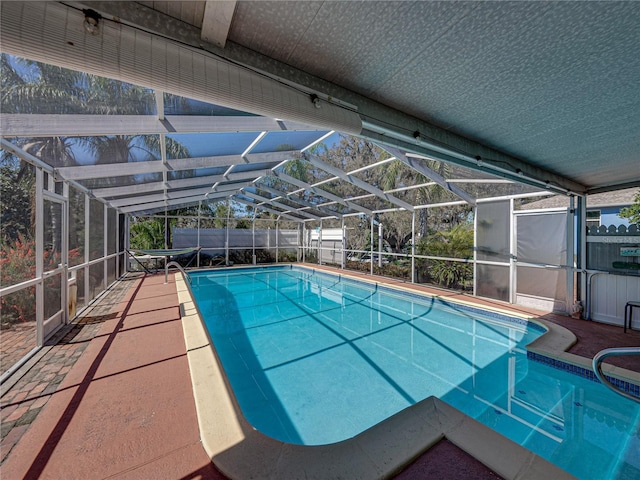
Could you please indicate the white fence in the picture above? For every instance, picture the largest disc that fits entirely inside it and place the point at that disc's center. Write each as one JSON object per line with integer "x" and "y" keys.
{"x": 614, "y": 279}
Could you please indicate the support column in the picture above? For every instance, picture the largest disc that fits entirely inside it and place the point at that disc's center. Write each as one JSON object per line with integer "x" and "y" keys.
{"x": 413, "y": 247}
{"x": 253, "y": 240}
{"x": 581, "y": 241}
{"x": 380, "y": 244}
{"x": 513, "y": 278}
{"x": 226, "y": 236}
{"x": 371, "y": 248}
{"x": 320, "y": 244}
{"x": 105, "y": 246}
{"x": 65, "y": 253}
{"x": 475, "y": 249}
{"x": 39, "y": 218}
{"x": 199, "y": 215}
{"x": 569, "y": 261}
{"x": 304, "y": 242}
{"x": 87, "y": 248}
{"x": 344, "y": 246}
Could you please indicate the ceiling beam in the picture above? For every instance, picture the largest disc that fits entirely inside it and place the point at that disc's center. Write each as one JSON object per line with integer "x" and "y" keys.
{"x": 159, "y": 96}
{"x": 173, "y": 195}
{"x": 156, "y": 197}
{"x": 84, "y": 172}
{"x": 353, "y": 180}
{"x": 217, "y": 21}
{"x": 228, "y": 160}
{"x": 228, "y": 187}
{"x": 286, "y": 208}
{"x": 208, "y": 180}
{"x": 421, "y": 168}
{"x": 296, "y": 199}
{"x": 382, "y": 124}
{"x": 169, "y": 203}
{"x": 69, "y": 125}
{"x": 267, "y": 209}
{"x": 323, "y": 193}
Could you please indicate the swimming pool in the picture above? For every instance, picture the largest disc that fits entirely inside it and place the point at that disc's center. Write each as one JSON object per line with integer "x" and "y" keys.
{"x": 315, "y": 358}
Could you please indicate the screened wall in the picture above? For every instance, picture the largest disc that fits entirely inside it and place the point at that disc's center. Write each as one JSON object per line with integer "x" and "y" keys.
{"x": 544, "y": 271}
{"x": 60, "y": 250}
{"x": 95, "y": 178}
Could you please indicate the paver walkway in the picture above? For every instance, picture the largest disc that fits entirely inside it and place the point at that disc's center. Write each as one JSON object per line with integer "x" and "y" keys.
{"x": 125, "y": 409}
{"x": 17, "y": 340}
{"x": 25, "y": 393}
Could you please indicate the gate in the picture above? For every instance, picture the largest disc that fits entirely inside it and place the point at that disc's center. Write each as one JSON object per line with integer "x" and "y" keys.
{"x": 543, "y": 260}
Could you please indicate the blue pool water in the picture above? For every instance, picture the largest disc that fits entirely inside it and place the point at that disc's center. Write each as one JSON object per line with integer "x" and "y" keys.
{"x": 315, "y": 358}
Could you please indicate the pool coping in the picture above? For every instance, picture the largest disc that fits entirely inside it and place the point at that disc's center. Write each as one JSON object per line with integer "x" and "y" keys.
{"x": 241, "y": 452}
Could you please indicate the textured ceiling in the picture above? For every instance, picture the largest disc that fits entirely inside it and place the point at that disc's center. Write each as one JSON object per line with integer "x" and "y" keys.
{"x": 556, "y": 84}
{"x": 548, "y": 89}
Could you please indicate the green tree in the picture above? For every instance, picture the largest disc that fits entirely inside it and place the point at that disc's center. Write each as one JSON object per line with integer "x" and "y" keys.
{"x": 38, "y": 88}
{"x": 16, "y": 199}
{"x": 33, "y": 87}
{"x": 221, "y": 213}
{"x": 147, "y": 234}
{"x": 632, "y": 212}
{"x": 455, "y": 243}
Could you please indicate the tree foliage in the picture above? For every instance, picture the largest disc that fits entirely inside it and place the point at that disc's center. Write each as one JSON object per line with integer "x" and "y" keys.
{"x": 455, "y": 243}
{"x": 147, "y": 234}
{"x": 632, "y": 212}
{"x": 33, "y": 87}
{"x": 16, "y": 184}
{"x": 353, "y": 153}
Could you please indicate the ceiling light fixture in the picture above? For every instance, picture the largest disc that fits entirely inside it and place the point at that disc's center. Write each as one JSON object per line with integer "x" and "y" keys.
{"x": 92, "y": 21}
{"x": 315, "y": 100}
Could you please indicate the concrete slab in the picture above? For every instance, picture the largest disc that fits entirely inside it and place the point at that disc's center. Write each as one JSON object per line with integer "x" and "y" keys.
{"x": 126, "y": 408}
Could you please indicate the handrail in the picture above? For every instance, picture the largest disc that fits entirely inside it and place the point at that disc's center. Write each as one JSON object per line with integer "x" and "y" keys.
{"x": 613, "y": 352}
{"x": 173, "y": 263}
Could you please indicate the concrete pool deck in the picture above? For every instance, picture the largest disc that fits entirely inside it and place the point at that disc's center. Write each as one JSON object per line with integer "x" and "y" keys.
{"x": 126, "y": 409}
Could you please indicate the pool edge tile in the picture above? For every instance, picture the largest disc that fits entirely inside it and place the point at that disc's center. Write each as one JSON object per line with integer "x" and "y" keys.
{"x": 503, "y": 456}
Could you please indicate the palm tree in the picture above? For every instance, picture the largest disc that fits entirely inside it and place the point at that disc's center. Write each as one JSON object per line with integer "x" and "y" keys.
{"x": 105, "y": 96}
{"x": 33, "y": 87}
{"x": 147, "y": 234}
{"x": 397, "y": 173}
{"x": 455, "y": 243}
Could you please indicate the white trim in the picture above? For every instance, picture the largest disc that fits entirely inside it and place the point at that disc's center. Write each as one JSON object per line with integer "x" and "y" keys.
{"x": 80, "y": 125}
{"x": 149, "y": 61}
